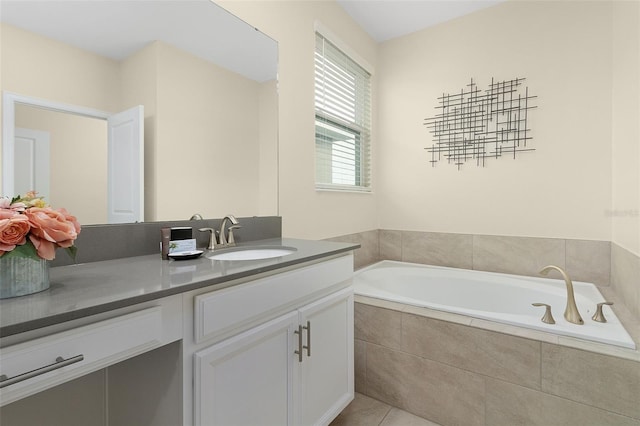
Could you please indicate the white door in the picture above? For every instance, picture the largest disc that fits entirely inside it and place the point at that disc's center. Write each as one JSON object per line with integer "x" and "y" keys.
{"x": 326, "y": 373}
{"x": 31, "y": 162}
{"x": 248, "y": 379}
{"x": 125, "y": 197}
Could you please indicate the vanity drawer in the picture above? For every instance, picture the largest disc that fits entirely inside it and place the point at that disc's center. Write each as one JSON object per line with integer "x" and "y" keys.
{"x": 222, "y": 313}
{"x": 42, "y": 363}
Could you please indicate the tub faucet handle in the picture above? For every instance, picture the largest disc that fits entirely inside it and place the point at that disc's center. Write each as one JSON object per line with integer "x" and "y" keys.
{"x": 547, "y": 317}
{"x": 599, "y": 316}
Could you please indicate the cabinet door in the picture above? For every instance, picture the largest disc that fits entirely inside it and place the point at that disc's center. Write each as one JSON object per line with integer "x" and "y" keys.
{"x": 248, "y": 379}
{"x": 327, "y": 366}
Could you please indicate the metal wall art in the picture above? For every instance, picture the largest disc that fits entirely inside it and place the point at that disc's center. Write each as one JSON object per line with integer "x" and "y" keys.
{"x": 474, "y": 125}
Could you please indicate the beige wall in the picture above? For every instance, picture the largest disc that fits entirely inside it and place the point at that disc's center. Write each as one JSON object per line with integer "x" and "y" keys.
{"x": 206, "y": 139}
{"x": 561, "y": 190}
{"x": 306, "y": 212}
{"x": 625, "y": 213}
{"x": 139, "y": 87}
{"x": 33, "y": 65}
{"x": 268, "y": 138}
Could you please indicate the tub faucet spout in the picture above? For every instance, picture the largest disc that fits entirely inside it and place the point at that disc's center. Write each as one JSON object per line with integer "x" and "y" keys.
{"x": 571, "y": 313}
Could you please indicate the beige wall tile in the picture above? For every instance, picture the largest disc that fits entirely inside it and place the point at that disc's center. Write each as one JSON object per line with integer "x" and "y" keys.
{"x": 625, "y": 277}
{"x": 429, "y": 389}
{"x": 390, "y": 245}
{"x": 360, "y": 365}
{"x": 386, "y": 371}
{"x": 368, "y": 252}
{"x": 510, "y": 358}
{"x": 603, "y": 381}
{"x": 433, "y": 248}
{"x": 508, "y": 404}
{"x": 516, "y": 255}
{"x": 589, "y": 261}
{"x": 377, "y": 325}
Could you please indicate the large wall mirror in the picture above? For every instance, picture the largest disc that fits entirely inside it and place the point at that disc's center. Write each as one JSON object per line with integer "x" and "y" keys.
{"x": 202, "y": 81}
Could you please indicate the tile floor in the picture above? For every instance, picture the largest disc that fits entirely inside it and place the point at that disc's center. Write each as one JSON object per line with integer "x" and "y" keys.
{"x": 365, "y": 411}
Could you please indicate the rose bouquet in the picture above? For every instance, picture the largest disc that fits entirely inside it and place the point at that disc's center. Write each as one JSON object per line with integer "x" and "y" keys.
{"x": 30, "y": 228}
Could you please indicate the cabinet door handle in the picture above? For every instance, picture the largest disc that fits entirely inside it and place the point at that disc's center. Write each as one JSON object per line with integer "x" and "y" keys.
{"x": 299, "y": 351}
{"x": 60, "y": 362}
{"x": 308, "y": 347}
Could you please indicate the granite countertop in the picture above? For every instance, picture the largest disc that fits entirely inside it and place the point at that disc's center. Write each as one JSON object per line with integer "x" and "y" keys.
{"x": 86, "y": 289}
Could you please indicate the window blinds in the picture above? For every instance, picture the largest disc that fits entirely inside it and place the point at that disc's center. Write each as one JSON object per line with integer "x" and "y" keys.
{"x": 343, "y": 120}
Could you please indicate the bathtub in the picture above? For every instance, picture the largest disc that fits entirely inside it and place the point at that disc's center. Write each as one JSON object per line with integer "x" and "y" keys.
{"x": 492, "y": 296}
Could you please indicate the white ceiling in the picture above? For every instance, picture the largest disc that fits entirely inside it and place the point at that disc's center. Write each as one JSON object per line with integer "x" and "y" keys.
{"x": 387, "y": 19}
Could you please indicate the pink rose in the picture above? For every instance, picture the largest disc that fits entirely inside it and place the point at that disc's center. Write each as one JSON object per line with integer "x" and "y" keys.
{"x": 6, "y": 213}
{"x": 13, "y": 232}
{"x": 5, "y": 204}
{"x": 71, "y": 219}
{"x": 46, "y": 249}
{"x": 50, "y": 226}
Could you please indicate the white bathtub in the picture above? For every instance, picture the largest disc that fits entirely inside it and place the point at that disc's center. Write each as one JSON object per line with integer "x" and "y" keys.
{"x": 493, "y": 296}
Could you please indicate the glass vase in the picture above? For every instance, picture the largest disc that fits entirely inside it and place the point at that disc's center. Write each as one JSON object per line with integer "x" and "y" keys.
{"x": 20, "y": 276}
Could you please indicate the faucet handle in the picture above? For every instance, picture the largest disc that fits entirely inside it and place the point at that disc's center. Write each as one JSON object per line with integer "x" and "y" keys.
{"x": 547, "y": 317}
{"x": 599, "y": 316}
{"x": 212, "y": 238}
{"x": 232, "y": 241}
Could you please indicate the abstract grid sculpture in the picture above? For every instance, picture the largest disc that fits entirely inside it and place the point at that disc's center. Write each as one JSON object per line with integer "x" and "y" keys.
{"x": 474, "y": 126}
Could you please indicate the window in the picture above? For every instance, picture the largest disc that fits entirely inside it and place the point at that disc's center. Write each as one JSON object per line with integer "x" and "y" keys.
{"x": 343, "y": 120}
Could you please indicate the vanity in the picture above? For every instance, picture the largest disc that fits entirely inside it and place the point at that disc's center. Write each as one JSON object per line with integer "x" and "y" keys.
{"x": 195, "y": 342}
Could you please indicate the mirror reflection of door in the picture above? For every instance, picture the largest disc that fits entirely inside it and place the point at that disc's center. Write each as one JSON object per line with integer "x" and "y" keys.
{"x": 124, "y": 175}
{"x": 31, "y": 170}
{"x": 73, "y": 171}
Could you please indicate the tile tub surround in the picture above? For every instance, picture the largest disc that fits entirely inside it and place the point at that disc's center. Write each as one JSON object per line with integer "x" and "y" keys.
{"x": 368, "y": 252}
{"x": 449, "y": 372}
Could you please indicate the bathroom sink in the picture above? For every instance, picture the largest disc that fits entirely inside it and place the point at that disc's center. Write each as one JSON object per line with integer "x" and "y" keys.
{"x": 252, "y": 253}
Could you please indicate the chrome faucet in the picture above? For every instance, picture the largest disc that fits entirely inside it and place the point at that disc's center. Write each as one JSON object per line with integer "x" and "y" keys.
{"x": 234, "y": 222}
{"x": 571, "y": 313}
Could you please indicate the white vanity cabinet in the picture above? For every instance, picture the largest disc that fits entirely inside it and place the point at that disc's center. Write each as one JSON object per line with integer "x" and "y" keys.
{"x": 290, "y": 361}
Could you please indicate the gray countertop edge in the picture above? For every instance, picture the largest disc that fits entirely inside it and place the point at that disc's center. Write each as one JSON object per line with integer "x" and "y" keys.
{"x": 301, "y": 256}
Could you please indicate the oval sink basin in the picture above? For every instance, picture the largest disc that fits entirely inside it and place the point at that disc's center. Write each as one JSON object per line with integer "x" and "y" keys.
{"x": 252, "y": 253}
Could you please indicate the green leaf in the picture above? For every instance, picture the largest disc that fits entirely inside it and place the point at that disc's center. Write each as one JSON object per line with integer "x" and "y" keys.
{"x": 72, "y": 252}
{"x": 26, "y": 250}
